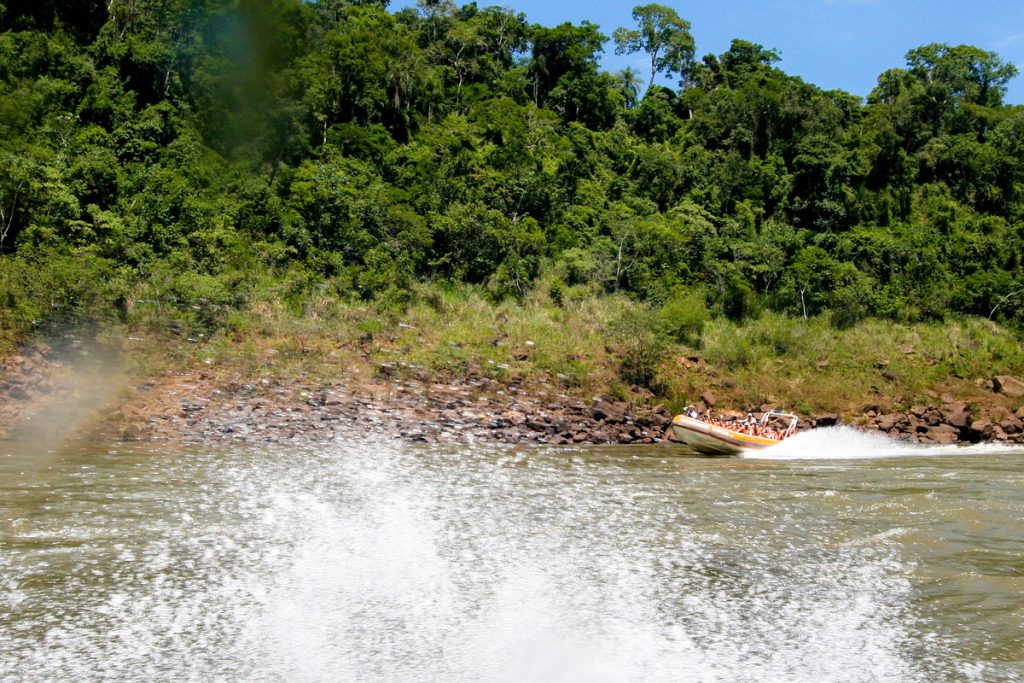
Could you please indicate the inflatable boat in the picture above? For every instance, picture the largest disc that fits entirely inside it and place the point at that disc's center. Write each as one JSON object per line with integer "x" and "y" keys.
{"x": 712, "y": 438}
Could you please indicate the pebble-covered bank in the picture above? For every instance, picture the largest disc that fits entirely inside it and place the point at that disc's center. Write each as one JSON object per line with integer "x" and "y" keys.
{"x": 203, "y": 406}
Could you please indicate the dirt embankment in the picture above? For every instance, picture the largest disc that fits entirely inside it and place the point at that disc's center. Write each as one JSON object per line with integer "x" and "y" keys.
{"x": 41, "y": 388}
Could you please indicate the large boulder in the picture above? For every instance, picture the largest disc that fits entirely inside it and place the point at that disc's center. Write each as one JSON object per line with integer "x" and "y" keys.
{"x": 960, "y": 420}
{"x": 1011, "y": 386}
{"x": 942, "y": 434}
{"x": 607, "y": 412}
{"x": 826, "y": 420}
{"x": 954, "y": 407}
{"x": 1012, "y": 425}
{"x": 984, "y": 429}
{"x": 887, "y": 422}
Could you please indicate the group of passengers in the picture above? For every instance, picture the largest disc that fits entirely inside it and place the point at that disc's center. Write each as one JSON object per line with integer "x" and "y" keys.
{"x": 748, "y": 425}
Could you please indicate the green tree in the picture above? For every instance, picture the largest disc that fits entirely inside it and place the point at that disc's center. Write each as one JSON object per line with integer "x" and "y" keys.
{"x": 628, "y": 84}
{"x": 961, "y": 72}
{"x": 663, "y": 35}
{"x": 564, "y": 76}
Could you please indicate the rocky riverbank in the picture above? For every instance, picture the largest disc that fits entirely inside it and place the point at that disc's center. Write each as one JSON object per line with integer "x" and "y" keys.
{"x": 950, "y": 422}
{"x": 207, "y": 406}
{"x": 202, "y": 408}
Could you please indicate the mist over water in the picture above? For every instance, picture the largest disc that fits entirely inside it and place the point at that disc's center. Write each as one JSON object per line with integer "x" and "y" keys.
{"x": 379, "y": 562}
{"x": 90, "y": 380}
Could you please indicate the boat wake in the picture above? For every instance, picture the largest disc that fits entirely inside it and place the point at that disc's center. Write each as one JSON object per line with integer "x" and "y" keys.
{"x": 850, "y": 443}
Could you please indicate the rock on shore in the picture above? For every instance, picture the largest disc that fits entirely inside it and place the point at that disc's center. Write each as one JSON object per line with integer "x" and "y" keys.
{"x": 28, "y": 381}
{"x": 202, "y": 407}
{"x": 949, "y": 423}
{"x": 198, "y": 409}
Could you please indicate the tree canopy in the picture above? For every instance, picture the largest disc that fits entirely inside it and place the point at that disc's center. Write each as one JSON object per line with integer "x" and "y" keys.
{"x": 663, "y": 35}
{"x": 339, "y": 144}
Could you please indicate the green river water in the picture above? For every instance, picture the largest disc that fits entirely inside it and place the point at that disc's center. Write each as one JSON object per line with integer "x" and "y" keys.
{"x": 845, "y": 557}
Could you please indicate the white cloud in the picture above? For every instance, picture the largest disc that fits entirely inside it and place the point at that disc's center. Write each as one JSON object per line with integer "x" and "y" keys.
{"x": 1010, "y": 40}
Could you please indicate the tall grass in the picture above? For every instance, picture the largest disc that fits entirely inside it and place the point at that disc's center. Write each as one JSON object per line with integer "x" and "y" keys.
{"x": 814, "y": 366}
{"x": 587, "y": 344}
{"x": 572, "y": 340}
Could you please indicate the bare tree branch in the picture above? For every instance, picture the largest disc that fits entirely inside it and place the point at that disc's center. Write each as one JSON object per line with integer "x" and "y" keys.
{"x": 1004, "y": 300}
{"x": 6, "y": 221}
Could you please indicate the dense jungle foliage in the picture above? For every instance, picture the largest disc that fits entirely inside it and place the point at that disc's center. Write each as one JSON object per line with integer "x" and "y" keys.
{"x": 196, "y": 151}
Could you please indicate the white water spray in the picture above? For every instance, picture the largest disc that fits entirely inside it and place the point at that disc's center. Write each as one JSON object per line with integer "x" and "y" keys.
{"x": 375, "y": 562}
{"x": 850, "y": 443}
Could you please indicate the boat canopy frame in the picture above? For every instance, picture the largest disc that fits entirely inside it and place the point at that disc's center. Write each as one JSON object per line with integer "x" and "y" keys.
{"x": 789, "y": 419}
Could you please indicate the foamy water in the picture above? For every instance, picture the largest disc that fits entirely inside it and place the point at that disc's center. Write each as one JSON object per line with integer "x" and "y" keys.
{"x": 850, "y": 443}
{"x": 377, "y": 562}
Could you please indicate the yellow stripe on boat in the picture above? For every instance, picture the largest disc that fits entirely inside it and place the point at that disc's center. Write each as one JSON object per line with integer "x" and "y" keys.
{"x": 704, "y": 437}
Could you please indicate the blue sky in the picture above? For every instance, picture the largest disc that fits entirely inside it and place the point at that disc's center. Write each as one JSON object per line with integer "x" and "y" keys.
{"x": 841, "y": 44}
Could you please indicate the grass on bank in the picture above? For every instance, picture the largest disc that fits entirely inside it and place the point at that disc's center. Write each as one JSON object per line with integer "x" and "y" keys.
{"x": 585, "y": 344}
{"x": 813, "y": 366}
{"x": 557, "y": 338}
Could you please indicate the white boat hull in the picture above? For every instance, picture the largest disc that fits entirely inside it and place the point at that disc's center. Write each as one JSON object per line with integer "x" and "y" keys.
{"x": 714, "y": 440}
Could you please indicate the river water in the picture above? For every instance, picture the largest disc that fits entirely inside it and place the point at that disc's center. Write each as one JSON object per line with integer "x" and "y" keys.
{"x": 844, "y": 557}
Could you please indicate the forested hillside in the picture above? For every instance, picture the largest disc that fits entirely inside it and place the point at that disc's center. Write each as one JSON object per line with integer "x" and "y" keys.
{"x": 201, "y": 151}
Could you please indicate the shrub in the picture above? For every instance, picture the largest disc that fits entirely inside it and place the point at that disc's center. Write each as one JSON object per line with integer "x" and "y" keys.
{"x": 640, "y": 348}
{"x": 43, "y": 293}
{"x": 683, "y": 316}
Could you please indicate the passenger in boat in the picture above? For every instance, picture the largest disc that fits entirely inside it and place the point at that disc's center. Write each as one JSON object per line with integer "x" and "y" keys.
{"x": 691, "y": 412}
